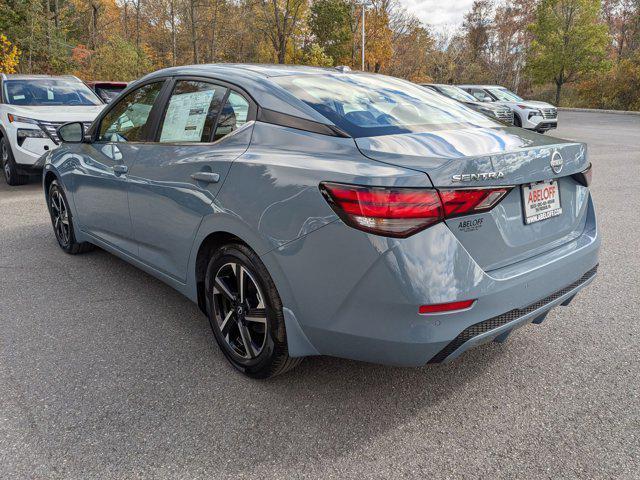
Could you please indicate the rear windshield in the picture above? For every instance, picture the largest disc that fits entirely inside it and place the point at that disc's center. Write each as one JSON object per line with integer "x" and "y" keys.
{"x": 108, "y": 93}
{"x": 50, "y": 91}
{"x": 366, "y": 105}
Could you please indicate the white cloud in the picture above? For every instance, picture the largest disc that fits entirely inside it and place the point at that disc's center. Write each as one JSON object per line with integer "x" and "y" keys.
{"x": 439, "y": 13}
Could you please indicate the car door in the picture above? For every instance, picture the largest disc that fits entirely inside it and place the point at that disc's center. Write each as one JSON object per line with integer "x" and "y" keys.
{"x": 205, "y": 126}
{"x": 101, "y": 179}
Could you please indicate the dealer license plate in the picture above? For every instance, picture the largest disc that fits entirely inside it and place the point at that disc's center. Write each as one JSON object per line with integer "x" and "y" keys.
{"x": 541, "y": 201}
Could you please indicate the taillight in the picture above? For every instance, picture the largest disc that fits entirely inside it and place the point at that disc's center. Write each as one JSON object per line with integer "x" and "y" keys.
{"x": 400, "y": 211}
{"x": 392, "y": 212}
{"x": 585, "y": 176}
{"x": 467, "y": 201}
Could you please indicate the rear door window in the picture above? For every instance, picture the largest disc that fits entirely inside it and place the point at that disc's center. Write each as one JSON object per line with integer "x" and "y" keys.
{"x": 234, "y": 115}
{"x": 191, "y": 113}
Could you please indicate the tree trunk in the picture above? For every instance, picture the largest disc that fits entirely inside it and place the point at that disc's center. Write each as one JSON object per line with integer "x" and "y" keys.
{"x": 56, "y": 15}
{"x": 138, "y": 6}
{"x": 95, "y": 11}
{"x": 214, "y": 27}
{"x": 194, "y": 40}
{"x": 558, "y": 90}
{"x": 125, "y": 20}
{"x": 47, "y": 11}
{"x": 174, "y": 49}
{"x": 282, "y": 50}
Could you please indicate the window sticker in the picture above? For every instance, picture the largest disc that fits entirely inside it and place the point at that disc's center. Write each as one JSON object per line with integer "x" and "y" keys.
{"x": 186, "y": 116}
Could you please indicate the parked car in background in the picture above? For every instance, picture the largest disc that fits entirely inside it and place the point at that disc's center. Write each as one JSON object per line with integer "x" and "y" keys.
{"x": 107, "y": 91}
{"x": 32, "y": 107}
{"x": 529, "y": 114}
{"x": 499, "y": 112}
{"x": 312, "y": 211}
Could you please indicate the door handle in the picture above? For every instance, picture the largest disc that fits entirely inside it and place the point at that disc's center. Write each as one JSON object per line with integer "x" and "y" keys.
{"x": 120, "y": 169}
{"x": 207, "y": 177}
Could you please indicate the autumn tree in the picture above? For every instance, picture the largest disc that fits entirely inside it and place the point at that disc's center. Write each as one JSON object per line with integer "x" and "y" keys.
{"x": 412, "y": 47}
{"x": 278, "y": 20}
{"x": 9, "y": 55}
{"x": 569, "y": 42}
{"x": 623, "y": 20}
{"x": 477, "y": 27}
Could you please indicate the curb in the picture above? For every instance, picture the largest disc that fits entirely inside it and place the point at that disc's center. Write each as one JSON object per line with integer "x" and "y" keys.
{"x": 597, "y": 110}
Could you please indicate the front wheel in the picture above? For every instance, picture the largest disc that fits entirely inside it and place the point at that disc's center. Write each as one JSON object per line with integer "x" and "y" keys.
{"x": 516, "y": 120}
{"x": 9, "y": 167}
{"x": 245, "y": 312}
{"x": 62, "y": 221}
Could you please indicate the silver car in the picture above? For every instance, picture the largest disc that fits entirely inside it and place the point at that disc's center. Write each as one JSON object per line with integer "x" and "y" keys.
{"x": 324, "y": 212}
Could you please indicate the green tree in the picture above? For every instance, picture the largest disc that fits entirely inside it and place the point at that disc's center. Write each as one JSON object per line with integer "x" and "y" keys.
{"x": 569, "y": 41}
{"x": 330, "y": 24}
{"x": 316, "y": 56}
{"x": 126, "y": 65}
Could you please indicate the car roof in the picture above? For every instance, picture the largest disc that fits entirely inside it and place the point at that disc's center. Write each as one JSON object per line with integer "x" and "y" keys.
{"x": 255, "y": 80}
{"x": 438, "y": 85}
{"x": 107, "y": 83}
{"x": 24, "y": 76}
{"x": 482, "y": 86}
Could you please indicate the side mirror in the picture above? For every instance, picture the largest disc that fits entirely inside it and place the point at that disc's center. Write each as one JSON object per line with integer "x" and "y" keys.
{"x": 72, "y": 132}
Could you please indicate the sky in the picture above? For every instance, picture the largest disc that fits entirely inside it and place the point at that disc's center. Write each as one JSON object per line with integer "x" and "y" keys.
{"x": 439, "y": 13}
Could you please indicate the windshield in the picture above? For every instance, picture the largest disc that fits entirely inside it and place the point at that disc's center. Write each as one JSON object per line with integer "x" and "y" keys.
{"x": 50, "y": 91}
{"x": 504, "y": 95}
{"x": 456, "y": 93}
{"x": 370, "y": 105}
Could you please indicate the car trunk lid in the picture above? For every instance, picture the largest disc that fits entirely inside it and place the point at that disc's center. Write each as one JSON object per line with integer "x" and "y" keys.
{"x": 483, "y": 157}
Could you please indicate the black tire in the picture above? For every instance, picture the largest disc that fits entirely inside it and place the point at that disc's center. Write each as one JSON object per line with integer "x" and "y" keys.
{"x": 263, "y": 352}
{"x": 516, "y": 120}
{"x": 62, "y": 221}
{"x": 9, "y": 167}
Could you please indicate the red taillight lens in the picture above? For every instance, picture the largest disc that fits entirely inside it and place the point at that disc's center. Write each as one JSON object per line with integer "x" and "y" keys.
{"x": 445, "y": 307}
{"x": 471, "y": 200}
{"x": 392, "y": 212}
{"x": 401, "y": 212}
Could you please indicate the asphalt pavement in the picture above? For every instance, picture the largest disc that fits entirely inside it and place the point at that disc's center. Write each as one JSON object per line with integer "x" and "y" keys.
{"x": 107, "y": 373}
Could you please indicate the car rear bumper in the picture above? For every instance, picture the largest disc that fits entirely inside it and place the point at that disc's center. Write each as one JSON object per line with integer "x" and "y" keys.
{"x": 499, "y": 327}
{"x": 366, "y": 308}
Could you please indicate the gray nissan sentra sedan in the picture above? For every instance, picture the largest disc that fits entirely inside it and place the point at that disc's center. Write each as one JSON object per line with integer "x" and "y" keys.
{"x": 326, "y": 212}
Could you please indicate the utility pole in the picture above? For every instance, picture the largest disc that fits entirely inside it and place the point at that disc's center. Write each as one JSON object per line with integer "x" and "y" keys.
{"x": 364, "y": 5}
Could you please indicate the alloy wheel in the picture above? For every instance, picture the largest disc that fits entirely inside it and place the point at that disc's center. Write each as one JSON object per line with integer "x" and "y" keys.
{"x": 5, "y": 160}
{"x": 240, "y": 311}
{"x": 60, "y": 217}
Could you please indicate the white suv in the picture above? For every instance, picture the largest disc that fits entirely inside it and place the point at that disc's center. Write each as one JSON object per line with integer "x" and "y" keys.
{"x": 32, "y": 107}
{"x": 529, "y": 114}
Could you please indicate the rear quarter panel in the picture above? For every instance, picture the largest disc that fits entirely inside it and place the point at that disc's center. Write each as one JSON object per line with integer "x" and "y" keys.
{"x": 271, "y": 196}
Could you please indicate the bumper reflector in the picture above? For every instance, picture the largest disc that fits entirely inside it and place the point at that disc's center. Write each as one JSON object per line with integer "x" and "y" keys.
{"x": 445, "y": 307}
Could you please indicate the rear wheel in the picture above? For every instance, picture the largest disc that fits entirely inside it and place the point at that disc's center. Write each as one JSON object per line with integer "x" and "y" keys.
{"x": 9, "y": 167}
{"x": 245, "y": 312}
{"x": 62, "y": 221}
